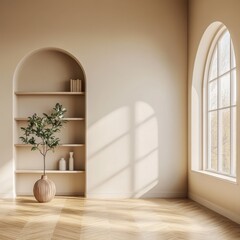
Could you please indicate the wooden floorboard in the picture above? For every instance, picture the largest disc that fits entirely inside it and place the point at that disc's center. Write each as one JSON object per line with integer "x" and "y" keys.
{"x": 129, "y": 219}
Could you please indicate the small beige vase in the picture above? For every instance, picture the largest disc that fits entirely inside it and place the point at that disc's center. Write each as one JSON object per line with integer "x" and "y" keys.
{"x": 44, "y": 189}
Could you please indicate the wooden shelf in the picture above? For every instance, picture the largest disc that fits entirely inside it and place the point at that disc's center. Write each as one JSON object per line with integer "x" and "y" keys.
{"x": 74, "y": 119}
{"x": 23, "y": 93}
{"x": 72, "y": 145}
{"x": 50, "y": 171}
{"x": 67, "y": 119}
{"x": 61, "y": 145}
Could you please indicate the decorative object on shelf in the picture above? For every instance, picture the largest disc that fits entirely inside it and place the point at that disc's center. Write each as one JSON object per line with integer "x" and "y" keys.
{"x": 62, "y": 164}
{"x": 76, "y": 85}
{"x": 40, "y": 133}
{"x": 71, "y": 162}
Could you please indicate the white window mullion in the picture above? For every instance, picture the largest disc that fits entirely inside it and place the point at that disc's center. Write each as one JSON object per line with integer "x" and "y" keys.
{"x": 231, "y": 112}
{"x": 219, "y": 157}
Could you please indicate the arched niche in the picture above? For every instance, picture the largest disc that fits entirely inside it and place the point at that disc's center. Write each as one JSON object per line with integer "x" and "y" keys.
{"x": 48, "y": 69}
{"x": 42, "y": 79}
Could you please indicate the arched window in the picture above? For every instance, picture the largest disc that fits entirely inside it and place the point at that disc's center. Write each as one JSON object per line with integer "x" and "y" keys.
{"x": 219, "y": 106}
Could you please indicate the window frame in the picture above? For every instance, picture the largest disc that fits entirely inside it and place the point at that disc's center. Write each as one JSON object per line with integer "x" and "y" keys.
{"x": 205, "y": 101}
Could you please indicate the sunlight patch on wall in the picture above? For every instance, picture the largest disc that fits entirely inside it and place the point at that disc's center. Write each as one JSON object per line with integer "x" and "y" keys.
{"x": 108, "y": 129}
{"x": 146, "y": 148}
{"x": 109, "y": 146}
{"x": 124, "y": 145}
{"x": 6, "y": 179}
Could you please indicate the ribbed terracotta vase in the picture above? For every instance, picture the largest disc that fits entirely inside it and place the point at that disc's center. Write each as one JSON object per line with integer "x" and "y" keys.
{"x": 44, "y": 189}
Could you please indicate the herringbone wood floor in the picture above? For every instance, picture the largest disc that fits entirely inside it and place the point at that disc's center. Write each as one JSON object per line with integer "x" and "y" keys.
{"x": 132, "y": 219}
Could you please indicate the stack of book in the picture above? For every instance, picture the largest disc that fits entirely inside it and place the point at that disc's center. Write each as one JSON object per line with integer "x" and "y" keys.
{"x": 76, "y": 85}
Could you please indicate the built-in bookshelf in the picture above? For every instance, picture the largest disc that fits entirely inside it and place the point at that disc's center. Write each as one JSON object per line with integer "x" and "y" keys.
{"x": 29, "y": 100}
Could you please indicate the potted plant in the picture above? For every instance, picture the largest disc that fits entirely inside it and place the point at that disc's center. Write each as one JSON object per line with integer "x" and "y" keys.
{"x": 40, "y": 133}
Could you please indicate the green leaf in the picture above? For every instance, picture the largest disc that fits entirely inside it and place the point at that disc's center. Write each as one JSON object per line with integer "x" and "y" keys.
{"x": 40, "y": 131}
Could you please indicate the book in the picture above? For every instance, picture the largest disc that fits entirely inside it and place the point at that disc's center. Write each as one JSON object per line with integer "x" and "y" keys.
{"x": 75, "y": 85}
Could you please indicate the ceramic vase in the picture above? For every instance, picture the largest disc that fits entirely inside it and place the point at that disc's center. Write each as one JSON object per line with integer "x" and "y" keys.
{"x": 62, "y": 164}
{"x": 71, "y": 162}
{"x": 44, "y": 189}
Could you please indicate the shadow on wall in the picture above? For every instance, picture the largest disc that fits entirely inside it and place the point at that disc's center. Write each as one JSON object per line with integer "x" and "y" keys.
{"x": 123, "y": 152}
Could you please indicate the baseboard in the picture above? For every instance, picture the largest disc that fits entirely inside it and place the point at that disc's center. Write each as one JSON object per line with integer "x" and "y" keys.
{"x": 134, "y": 195}
{"x": 163, "y": 195}
{"x": 226, "y": 213}
{"x": 19, "y": 194}
{"x": 7, "y": 195}
{"x": 108, "y": 195}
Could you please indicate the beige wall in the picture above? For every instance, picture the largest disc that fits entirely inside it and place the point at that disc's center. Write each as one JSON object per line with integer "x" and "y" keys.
{"x": 218, "y": 194}
{"x": 134, "y": 56}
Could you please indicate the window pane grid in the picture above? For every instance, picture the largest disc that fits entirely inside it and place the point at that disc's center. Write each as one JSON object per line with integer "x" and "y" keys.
{"x": 229, "y": 71}
{"x": 221, "y": 109}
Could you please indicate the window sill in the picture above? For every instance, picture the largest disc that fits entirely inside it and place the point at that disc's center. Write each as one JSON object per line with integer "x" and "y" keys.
{"x": 218, "y": 176}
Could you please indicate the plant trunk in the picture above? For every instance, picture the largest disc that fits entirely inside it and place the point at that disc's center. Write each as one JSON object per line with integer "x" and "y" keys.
{"x": 44, "y": 164}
